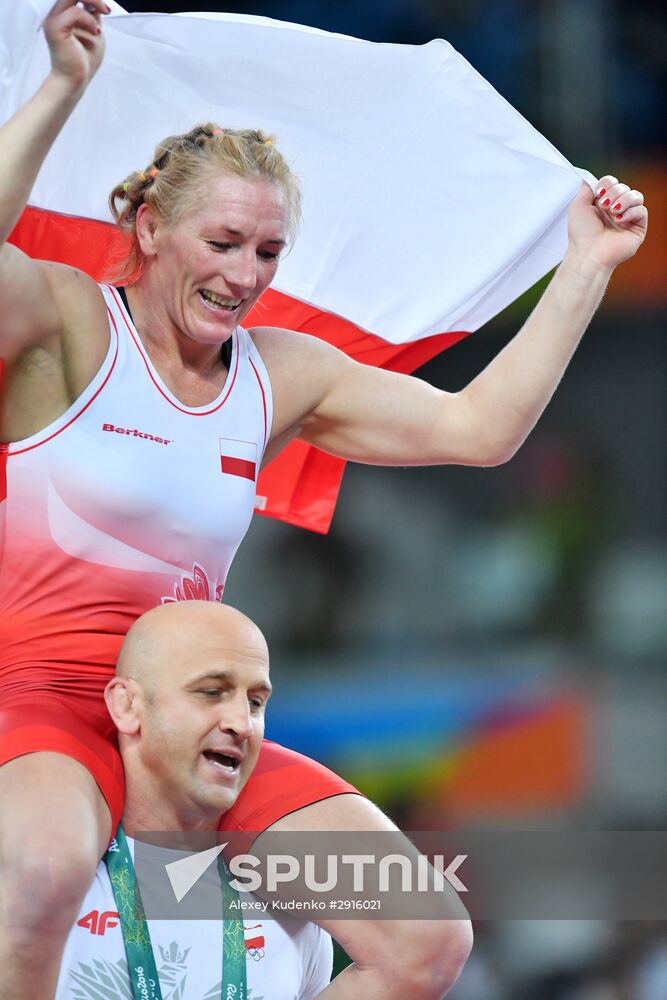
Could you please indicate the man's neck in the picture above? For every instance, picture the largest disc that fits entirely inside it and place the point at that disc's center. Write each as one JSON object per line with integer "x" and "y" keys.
{"x": 143, "y": 814}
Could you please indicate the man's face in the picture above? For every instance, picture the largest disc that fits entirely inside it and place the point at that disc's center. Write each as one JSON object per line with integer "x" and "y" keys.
{"x": 202, "y": 721}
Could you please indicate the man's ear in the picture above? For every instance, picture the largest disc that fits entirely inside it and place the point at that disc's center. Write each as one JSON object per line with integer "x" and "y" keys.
{"x": 122, "y": 695}
{"x": 146, "y": 224}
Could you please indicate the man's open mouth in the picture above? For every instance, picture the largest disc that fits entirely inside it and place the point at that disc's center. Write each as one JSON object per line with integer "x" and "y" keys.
{"x": 222, "y": 760}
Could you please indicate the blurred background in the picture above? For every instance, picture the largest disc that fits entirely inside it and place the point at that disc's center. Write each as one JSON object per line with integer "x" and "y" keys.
{"x": 487, "y": 647}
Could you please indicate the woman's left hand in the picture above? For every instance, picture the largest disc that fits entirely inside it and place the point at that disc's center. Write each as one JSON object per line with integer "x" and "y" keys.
{"x": 607, "y": 226}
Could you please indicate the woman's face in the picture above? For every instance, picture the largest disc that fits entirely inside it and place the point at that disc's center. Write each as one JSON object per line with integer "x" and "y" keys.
{"x": 213, "y": 264}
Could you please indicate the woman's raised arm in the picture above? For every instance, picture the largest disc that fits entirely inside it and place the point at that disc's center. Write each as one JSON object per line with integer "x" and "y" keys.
{"x": 28, "y": 306}
{"x": 382, "y": 418}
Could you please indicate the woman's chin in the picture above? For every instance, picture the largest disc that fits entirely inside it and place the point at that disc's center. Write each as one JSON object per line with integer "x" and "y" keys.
{"x": 214, "y": 325}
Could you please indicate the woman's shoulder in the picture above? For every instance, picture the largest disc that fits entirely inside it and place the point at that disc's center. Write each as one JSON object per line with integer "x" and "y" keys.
{"x": 301, "y": 368}
{"x": 282, "y": 347}
{"x": 84, "y": 314}
{"x": 66, "y": 349}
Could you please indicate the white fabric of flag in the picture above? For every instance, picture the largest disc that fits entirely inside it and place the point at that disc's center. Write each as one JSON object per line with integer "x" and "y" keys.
{"x": 429, "y": 202}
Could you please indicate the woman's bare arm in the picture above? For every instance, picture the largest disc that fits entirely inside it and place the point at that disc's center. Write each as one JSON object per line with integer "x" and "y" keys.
{"x": 31, "y": 292}
{"x": 368, "y": 415}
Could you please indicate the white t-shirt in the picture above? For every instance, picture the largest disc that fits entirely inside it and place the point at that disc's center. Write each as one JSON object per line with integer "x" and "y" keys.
{"x": 286, "y": 959}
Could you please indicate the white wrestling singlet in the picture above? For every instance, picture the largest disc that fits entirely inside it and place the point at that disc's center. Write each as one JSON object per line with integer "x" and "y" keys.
{"x": 128, "y": 500}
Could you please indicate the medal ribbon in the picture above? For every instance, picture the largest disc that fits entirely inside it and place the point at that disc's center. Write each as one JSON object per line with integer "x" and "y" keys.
{"x": 141, "y": 965}
{"x": 234, "y": 986}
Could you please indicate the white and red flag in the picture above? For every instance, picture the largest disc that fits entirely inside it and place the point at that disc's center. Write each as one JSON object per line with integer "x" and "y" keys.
{"x": 254, "y": 939}
{"x": 429, "y": 203}
{"x": 238, "y": 458}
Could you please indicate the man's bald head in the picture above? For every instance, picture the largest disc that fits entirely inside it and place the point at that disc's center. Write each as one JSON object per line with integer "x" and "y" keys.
{"x": 188, "y": 700}
{"x": 182, "y": 633}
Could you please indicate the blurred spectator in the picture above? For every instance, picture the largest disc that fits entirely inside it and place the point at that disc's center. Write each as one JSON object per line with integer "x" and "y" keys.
{"x": 650, "y": 979}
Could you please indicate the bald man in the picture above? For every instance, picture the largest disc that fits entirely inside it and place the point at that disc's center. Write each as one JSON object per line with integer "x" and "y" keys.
{"x": 188, "y": 700}
{"x": 192, "y": 678}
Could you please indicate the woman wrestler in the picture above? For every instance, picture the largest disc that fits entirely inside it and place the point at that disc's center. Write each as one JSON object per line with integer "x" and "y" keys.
{"x": 183, "y": 405}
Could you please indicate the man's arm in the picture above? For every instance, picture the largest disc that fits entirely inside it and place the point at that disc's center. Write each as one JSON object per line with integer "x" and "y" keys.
{"x": 391, "y": 959}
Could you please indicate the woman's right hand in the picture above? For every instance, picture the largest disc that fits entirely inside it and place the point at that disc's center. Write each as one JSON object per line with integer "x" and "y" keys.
{"x": 75, "y": 40}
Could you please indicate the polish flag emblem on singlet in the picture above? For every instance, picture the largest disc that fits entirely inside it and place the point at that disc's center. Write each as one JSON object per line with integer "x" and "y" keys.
{"x": 254, "y": 939}
{"x": 238, "y": 458}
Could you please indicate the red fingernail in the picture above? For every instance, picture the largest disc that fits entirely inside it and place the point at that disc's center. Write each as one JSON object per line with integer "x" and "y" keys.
{"x": 606, "y": 202}
{"x": 601, "y": 192}
{"x": 616, "y": 207}
{"x": 620, "y": 215}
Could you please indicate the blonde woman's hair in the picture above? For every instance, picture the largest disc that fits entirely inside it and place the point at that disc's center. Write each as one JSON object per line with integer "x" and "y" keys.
{"x": 181, "y": 167}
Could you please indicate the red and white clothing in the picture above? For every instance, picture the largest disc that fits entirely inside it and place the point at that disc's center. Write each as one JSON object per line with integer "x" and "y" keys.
{"x": 126, "y": 501}
{"x": 286, "y": 959}
{"x": 130, "y": 499}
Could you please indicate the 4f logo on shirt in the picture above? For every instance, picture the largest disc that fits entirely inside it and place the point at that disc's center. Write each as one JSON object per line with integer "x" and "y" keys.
{"x": 238, "y": 458}
{"x": 98, "y": 923}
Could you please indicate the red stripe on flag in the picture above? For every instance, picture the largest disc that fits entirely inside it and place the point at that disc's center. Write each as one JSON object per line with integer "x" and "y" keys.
{"x": 95, "y": 247}
{"x": 300, "y": 485}
{"x": 256, "y": 942}
{"x": 238, "y": 467}
{"x": 360, "y": 345}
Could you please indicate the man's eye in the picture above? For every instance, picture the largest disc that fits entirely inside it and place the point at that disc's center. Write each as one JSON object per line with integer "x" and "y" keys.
{"x": 219, "y": 246}
{"x": 257, "y": 703}
{"x": 210, "y": 692}
{"x": 267, "y": 255}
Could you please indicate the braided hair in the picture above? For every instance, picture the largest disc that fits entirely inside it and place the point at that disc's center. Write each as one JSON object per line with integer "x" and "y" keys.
{"x": 178, "y": 168}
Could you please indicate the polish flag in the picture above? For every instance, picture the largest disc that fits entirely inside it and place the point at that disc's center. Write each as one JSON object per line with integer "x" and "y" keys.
{"x": 429, "y": 203}
{"x": 253, "y": 937}
{"x": 238, "y": 458}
